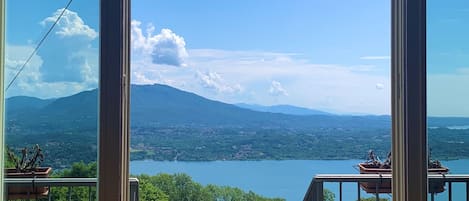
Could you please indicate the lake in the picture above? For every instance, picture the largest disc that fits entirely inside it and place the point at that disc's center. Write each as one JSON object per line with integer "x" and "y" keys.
{"x": 286, "y": 179}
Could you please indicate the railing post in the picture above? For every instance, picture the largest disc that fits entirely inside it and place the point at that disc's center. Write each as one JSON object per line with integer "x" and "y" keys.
{"x": 89, "y": 193}
{"x": 359, "y": 191}
{"x": 49, "y": 195}
{"x": 318, "y": 191}
{"x": 450, "y": 191}
{"x": 467, "y": 190}
{"x": 340, "y": 191}
{"x": 134, "y": 190}
{"x": 69, "y": 193}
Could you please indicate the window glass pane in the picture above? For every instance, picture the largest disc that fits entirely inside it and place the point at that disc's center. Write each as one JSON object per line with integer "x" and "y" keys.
{"x": 258, "y": 95}
{"x": 447, "y": 95}
{"x": 51, "y": 88}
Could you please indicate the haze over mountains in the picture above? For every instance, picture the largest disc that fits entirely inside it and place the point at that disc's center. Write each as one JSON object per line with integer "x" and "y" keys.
{"x": 282, "y": 109}
{"x": 161, "y": 105}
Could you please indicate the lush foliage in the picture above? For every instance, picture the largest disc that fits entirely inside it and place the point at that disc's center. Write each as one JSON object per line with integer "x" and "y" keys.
{"x": 161, "y": 187}
{"x": 180, "y": 187}
{"x": 328, "y": 195}
{"x": 207, "y": 144}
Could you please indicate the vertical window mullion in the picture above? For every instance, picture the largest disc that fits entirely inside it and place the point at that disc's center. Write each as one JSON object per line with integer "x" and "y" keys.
{"x": 409, "y": 127}
{"x": 114, "y": 100}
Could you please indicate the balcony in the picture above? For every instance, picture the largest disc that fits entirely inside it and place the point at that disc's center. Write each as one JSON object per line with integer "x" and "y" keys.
{"x": 71, "y": 183}
{"x": 316, "y": 189}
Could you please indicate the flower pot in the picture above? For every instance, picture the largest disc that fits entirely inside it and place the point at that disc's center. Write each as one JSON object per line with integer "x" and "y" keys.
{"x": 371, "y": 187}
{"x": 27, "y": 192}
{"x": 385, "y": 187}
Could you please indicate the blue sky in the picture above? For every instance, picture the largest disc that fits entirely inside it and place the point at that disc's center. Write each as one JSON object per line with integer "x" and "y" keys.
{"x": 319, "y": 54}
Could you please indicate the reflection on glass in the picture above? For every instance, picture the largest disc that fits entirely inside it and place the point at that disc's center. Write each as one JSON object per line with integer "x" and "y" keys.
{"x": 51, "y": 79}
{"x": 448, "y": 78}
{"x": 257, "y": 95}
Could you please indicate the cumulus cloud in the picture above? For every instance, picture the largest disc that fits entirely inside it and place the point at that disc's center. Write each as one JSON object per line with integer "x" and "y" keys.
{"x": 70, "y": 25}
{"x": 330, "y": 87}
{"x": 276, "y": 89}
{"x": 163, "y": 48}
{"x": 65, "y": 64}
{"x": 68, "y": 54}
{"x": 213, "y": 80}
{"x": 15, "y": 57}
{"x": 30, "y": 81}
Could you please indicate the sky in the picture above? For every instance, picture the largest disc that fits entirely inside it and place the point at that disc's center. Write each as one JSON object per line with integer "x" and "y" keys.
{"x": 321, "y": 54}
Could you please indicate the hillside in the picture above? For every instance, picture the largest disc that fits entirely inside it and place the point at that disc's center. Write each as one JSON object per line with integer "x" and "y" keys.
{"x": 171, "y": 124}
{"x": 161, "y": 105}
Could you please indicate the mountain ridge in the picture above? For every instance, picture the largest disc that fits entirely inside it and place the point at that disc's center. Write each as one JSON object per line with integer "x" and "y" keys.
{"x": 283, "y": 109}
{"x": 162, "y": 105}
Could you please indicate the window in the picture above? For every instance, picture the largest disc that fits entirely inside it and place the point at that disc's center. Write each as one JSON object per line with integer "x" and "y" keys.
{"x": 447, "y": 78}
{"x": 231, "y": 91}
{"x": 63, "y": 68}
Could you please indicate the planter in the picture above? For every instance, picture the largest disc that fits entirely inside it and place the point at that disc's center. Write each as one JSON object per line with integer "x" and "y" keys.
{"x": 385, "y": 187}
{"x": 27, "y": 192}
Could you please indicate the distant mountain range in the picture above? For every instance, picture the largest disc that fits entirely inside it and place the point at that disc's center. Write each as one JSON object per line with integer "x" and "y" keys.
{"x": 283, "y": 109}
{"x": 161, "y": 105}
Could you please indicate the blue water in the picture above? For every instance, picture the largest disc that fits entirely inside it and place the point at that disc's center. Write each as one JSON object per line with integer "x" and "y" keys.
{"x": 287, "y": 179}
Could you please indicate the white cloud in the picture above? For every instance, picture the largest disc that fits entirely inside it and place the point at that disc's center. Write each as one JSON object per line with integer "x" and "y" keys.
{"x": 164, "y": 48}
{"x": 70, "y": 25}
{"x": 68, "y": 54}
{"x": 65, "y": 64}
{"x": 276, "y": 89}
{"x": 30, "y": 81}
{"x": 293, "y": 79}
{"x": 329, "y": 87}
{"x": 15, "y": 57}
{"x": 213, "y": 80}
{"x": 375, "y": 57}
{"x": 140, "y": 78}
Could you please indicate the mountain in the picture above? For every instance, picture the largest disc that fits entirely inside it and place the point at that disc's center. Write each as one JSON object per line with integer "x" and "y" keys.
{"x": 161, "y": 105}
{"x": 164, "y": 105}
{"x": 78, "y": 111}
{"x": 19, "y": 103}
{"x": 283, "y": 109}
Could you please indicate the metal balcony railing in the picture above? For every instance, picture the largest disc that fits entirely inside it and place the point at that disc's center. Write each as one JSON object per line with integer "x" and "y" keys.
{"x": 315, "y": 191}
{"x": 50, "y": 183}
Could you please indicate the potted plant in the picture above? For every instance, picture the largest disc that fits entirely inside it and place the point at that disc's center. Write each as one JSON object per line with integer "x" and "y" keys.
{"x": 26, "y": 165}
{"x": 374, "y": 166}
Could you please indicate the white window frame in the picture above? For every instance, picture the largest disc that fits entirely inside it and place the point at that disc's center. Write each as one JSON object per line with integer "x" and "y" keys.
{"x": 2, "y": 99}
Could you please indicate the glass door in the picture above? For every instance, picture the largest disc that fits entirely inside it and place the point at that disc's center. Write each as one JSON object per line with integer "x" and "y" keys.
{"x": 448, "y": 96}
{"x": 51, "y": 97}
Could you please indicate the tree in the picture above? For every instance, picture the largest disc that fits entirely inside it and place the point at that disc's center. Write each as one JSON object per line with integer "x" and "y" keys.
{"x": 181, "y": 187}
{"x": 328, "y": 195}
{"x": 78, "y": 170}
{"x": 149, "y": 192}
